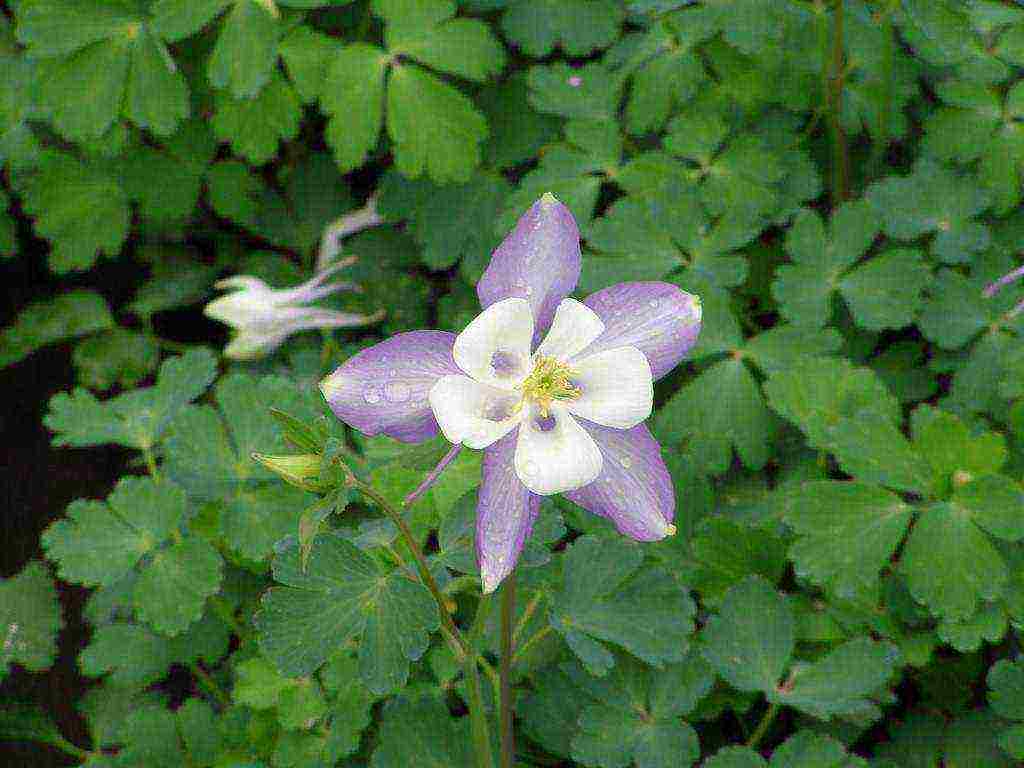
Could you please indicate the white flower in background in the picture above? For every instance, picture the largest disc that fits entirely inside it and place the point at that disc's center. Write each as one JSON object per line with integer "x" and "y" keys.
{"x": 263, "y": 317}
{"x": 349, "y": 224}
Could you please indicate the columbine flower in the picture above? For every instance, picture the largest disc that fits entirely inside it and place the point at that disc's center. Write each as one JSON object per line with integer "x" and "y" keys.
{"x": 263, "y": 317}
{"x": 555, "y": 391}
{"x": 1011, "y": 277}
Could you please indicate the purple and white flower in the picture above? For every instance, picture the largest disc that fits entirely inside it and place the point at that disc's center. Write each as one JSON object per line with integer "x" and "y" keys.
{"x": 555, "y": 391}
{"x": 263, "y": 317}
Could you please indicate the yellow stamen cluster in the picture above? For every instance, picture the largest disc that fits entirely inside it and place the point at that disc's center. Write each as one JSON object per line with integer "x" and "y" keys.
{"x": 549, "y": 380}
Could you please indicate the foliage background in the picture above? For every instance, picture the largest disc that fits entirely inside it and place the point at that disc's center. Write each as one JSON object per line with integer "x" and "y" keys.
{"x": 838, "y": 184}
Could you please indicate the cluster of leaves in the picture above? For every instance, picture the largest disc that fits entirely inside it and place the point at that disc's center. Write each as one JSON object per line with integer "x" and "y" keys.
{"x": 846, "y": 587}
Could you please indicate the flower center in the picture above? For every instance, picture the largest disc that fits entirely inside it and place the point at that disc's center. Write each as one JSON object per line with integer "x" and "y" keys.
{"x": 549, "y": 380}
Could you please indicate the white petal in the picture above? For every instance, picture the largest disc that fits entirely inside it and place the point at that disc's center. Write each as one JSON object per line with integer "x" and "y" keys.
{"x": 617, "y": 386}
{"x": 556, "y": 454}
{"x": 505, "y": 330}
{"x": 472, "y": 413}
{"x": 574, "y": 328}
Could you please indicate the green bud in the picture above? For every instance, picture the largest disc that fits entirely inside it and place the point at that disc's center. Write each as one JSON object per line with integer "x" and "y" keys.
{"x": 301, "y": 470}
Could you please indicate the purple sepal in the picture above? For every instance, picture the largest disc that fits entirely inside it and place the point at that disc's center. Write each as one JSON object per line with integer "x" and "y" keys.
{"x": 634, "y": 489}
{"x": 539, "y": 261}
{"x": 659, "y": 319}
{"x": 504, "y": 515}
{"x": 383, "y": 389}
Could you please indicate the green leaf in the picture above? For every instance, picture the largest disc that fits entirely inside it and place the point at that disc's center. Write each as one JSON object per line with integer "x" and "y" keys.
{"x": 81, "y": 210}
{"x": 177, "y": 19}
{"x": 725, "y": 552}
{"x": 887, "y": 291}
{"x": 150, "y": 736}
{"x": 246, "y": 52}
{"x": 353, "y": 97}
{"x": 950, "y": 564}
{"x": 233, "y": 191}
{"x": 210, "y": 454}
{"x": 435, "y": 128}
{"x": 118, "y": 356}
{"x": 100, "y": 542}
{"x": 1006, "y": 695}
{"x": 422, "y": 732}
{"x": 75, "y": 313}
{"x": 136, "y": 419}
{"x": 636, "y": 719}
{"x": 608, "y": 597}
{"x": 994, "y": 502}
{"x": 954, "y": 453}
{"x": 848, "y": 531}
{"x": 128, "y": 654}
{"x": 735, "y": 757}
{"x": 255, "y": 126}
{"x": 821, "y": 258}
{"x": 751, "y": 639}
{"x": 518, "y": 132}
{"x": 869, "y": 447}
{"x": 463, "y": 47}
{"x": 576, "y": 26}
{"x": 173, "y": 587}
{"x": 842, "y": 682}
{"x": 345, "y": 595}
{"x": 721, "y": 410}
{"x": 156, "y": 95}
{"x": 174, "y": 199}
{"x": 589, "y": 92}
{"x": 932, "y": 199}
{"x": 307, "y": 55}
{"x": 815, "y": 393}
{"x": 806, "y": 749}
{"x": 30, "y": 618}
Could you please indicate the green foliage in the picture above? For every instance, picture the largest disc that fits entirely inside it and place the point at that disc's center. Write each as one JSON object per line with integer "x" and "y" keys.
{"x": 29, "y": 620}
{"x": 845, "y": 440}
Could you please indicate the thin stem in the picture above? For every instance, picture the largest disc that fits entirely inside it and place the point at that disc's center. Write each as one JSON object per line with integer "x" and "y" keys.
{"x": 763, "y": 726}
{"x": 508, "y": 610}
{"x": 840, "y": 173}
{"x": 534, "y": 639}
{"x": 58, "y": 741}
{"x": 209, "y": 684}
{"x": 462, "y": 647}
{"x": 888, "y": 85}
{"x": 478, "y": 715}
{"x": 433, "y": 475}
{"x": 531, "y": 607}
{"x": 147, "y": 454}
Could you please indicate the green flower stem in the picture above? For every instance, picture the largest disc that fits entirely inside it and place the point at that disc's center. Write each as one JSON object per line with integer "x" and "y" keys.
{"x": 208, "y": 684}
{"x": 534, "y": 639}
{"x": 763, "y": 726}
{"x": 427, "y": 578}
{"x": 478, "y": 715}
{"x": 834, "y": 66}
{"x": 888, "y": 84}
{"x": 151, "y": 467}
{"x": 531, "y": 608}
{"x": 68, "y": 748}
{"x": 462, "y": 649}
{"x": 508, "y": 612}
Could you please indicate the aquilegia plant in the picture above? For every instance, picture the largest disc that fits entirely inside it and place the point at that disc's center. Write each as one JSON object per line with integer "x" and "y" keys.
{"x": 555, "y": 391}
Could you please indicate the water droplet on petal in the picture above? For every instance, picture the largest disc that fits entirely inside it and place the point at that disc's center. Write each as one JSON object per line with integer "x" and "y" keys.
{"x": 529, "y": 468}
{"x": 626, "y": 462}
{"x": 654, "y": 303}
{"x": 393, "y": 372}
{"x": 371, "y": 395}
{"x": 396, "y": 391}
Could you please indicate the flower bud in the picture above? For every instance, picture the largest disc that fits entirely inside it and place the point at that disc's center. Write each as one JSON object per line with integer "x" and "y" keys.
{"x": 301, "y": 470}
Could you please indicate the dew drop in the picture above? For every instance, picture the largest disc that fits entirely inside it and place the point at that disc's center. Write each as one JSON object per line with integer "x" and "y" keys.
{"x": 529, "y": 468}
{"x": 393, "y": 372}
{"x": 396, "y": 391}
{"x": 626, "y": 462}
{"x": 654, "y": 303}
{"x": 371, "y": 396}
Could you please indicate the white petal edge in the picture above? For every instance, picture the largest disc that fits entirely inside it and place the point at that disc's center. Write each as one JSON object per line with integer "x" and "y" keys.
{"x": 561, "y": 459}
{"x": 505, "y": 326}
{"x": 617, "y": 385}
{"x": 461, "y": 406}
{"x": 574, "y": 328}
